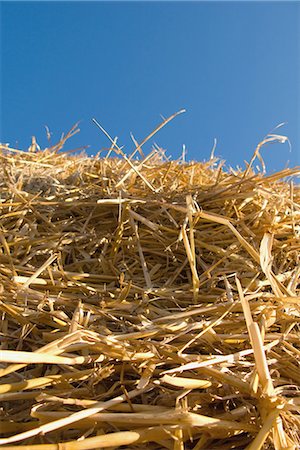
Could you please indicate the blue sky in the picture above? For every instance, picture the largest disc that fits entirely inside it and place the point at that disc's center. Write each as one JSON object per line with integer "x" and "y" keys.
{"x": 234, "y": 66}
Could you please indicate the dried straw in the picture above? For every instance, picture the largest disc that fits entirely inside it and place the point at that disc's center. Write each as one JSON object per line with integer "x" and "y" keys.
{"x": 147, "y": 303}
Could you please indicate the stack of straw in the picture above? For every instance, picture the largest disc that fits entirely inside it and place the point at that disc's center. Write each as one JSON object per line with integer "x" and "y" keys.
{"x": 147, "y": 303}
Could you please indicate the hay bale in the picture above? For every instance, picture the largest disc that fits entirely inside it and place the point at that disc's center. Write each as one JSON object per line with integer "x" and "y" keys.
{"x": 147, "y": 303}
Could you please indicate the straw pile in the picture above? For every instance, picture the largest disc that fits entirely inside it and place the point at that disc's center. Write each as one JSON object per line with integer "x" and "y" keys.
{"x": 147, "y": 303}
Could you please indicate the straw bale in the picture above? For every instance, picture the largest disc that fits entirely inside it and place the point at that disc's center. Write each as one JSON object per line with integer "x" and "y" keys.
{"x": 147, "y": 303}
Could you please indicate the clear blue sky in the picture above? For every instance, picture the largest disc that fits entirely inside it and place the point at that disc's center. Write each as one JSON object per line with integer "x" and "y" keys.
{"x": 234, "y": 66}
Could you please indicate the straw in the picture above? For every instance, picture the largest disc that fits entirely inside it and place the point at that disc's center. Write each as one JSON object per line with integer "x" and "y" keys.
{"x": 147, "y": 303}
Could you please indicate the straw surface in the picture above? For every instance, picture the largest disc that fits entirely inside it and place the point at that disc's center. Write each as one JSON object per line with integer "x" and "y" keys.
{"x": 147, "y": 303}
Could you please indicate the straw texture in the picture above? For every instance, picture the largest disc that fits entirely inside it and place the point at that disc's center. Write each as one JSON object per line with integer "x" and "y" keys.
{"x": 147, "y": 303}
